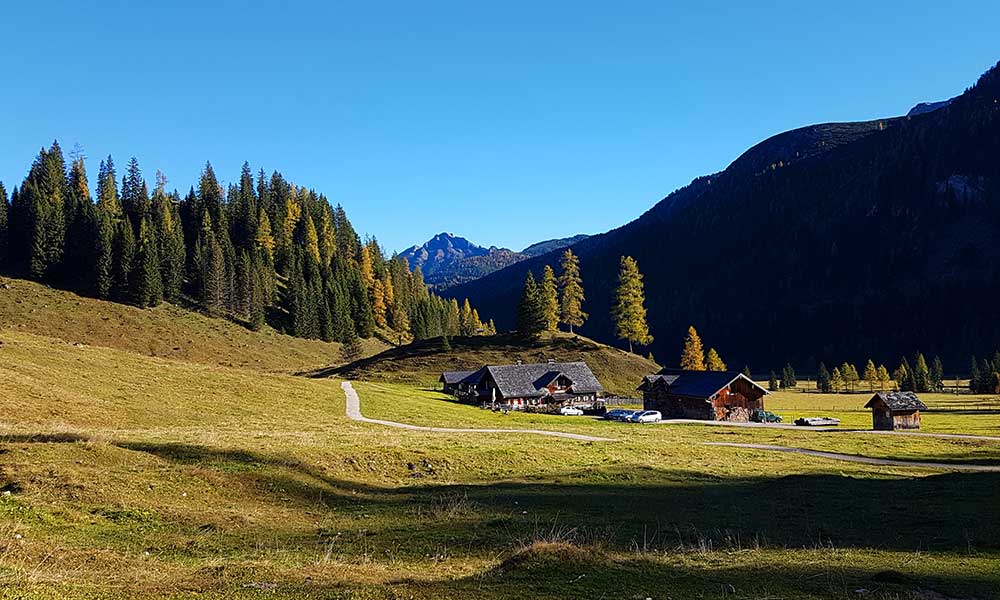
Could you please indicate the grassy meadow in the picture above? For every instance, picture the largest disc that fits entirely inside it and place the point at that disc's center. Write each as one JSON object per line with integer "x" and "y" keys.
{"x": 124, "y": 475}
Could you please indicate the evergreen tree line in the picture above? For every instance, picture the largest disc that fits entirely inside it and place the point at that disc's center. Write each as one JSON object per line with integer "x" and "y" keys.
{"x": 262, "y": 250}
{"x": 546, "y": 304}
{"x": 984, "y": 375}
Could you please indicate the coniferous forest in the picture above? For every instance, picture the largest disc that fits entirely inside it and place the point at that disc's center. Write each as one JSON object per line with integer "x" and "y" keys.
{"x": 263, "y": 250}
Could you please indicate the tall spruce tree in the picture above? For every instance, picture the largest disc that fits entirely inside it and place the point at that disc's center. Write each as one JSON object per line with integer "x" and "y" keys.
{"x": 788, "y": 380}
{"x": 147, "y": 286}
{"x": 823, "y": 378}
{"x": 974, "y": 376}
{"x": 571, "y": 295}
{"x": 44, "y": 196}
{"x": 4, "y": 211}
{"x": 124, "y": 260}
{"x": 550, "y": 298}
{"x": 693, "y": 356}
{"x": 921, "y": 374}
{"x": 629, "y": 310}
{"x": 530, "y": 310}
{"x": 937, "y": 374}
{"x": 211, "y": 266}
{"x": 170, "y": 236}
{"x": 81, "y": 231}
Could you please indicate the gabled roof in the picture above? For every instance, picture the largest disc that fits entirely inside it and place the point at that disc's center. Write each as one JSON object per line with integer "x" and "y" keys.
{"x": 897, "y": 401}
{"x": 456, "y": 377}
{"x": 529, "y": 381}
{"x": 695, "y": 384}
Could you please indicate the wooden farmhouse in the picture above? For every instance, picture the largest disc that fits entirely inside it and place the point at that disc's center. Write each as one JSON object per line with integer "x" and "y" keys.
{"x": 457, "y": 383}
{"x": 705, "y": 395}
{"x": 895, "y": 410}
{"x": 522, "y": 385}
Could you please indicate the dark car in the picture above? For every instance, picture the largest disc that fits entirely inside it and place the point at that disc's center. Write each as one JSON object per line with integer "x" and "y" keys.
{"x": 764, "y": 416}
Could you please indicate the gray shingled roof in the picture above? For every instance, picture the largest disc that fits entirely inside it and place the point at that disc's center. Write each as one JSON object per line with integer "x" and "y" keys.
{"x": 898, "y": 401}
{"x": 455, "y": 377}
{"x": 695, "y": 384}
{"x": 529, "y": 381}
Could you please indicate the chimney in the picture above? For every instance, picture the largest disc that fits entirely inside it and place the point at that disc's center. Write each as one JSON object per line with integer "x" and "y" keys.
{"x": 552, "y": 361}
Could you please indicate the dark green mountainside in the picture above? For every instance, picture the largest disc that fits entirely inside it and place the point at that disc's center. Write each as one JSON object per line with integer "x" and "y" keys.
{"x": 829, "y": 242}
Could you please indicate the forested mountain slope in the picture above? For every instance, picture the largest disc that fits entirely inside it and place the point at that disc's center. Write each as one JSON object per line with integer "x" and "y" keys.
{"x": 829, "y": 242}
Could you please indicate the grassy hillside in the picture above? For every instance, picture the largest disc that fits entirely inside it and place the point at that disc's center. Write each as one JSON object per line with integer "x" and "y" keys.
{"x": 421, "y": 363}
{"x": 166, "y": 331}
{"x": 140, "y": 477}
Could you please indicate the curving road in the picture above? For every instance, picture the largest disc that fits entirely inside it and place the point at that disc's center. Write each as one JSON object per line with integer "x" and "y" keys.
{"x": 354, "y": 413}
{"x": 861, "y": 459}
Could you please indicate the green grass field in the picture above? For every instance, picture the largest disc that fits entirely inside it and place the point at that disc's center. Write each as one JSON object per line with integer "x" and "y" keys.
{"x": 132, "y": 476}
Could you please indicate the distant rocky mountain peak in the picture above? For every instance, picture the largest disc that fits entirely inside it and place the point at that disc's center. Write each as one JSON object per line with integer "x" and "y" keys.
{"x": 447, "y": 259}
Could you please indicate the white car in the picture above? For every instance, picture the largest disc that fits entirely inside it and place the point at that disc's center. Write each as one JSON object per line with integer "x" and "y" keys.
{"x": 646, "y": 416}
{"x": 570, "y": 411}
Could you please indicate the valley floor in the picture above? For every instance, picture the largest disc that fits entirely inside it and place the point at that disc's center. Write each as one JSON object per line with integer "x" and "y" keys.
{"x": 132, "y": 476}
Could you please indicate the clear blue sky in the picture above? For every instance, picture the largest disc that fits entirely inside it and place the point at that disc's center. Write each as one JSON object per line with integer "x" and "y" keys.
{"x": 505, "y": 122}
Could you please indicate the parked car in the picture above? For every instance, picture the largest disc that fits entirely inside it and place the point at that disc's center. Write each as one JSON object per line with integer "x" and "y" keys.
{"x": 646, "y": 416}
{"x": 764, "y": 416}
{"x": 817, "y": 421}
{"x": 615, "y": 414}
{"x": 626, "y": 414}
{"x": 571, "y": 411}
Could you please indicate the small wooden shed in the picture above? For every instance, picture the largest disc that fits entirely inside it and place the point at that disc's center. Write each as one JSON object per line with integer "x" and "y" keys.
{"x": 895, "y": 410}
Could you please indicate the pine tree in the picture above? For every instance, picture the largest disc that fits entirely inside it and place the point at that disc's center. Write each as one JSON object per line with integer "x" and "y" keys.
{"x": 629, "y": 309}
{"x": 378, "y": 303}
{"x": 693, "y": 356}
{"x": 788, "y": 377}
{"x": 746, "y": 369}
{"x": 883, "y": 378}
{"x": 211, "y": 269}
{"x": 258, "y": 313}
{"x": 713, "y": 362}
{"x": 352, "y": 349}
{"x": 134, "y": 197}
{"x": 850, "y": 376}
{"x": 904, "y": 376}
{"x": 171, "y": 239}
{"x": 44, "y": 196}
{"x": 871, "y": 375}
{"x": 837, "y": 380}
{"x": 823, "y": 379}
{"x": 772, "y": 382}
{"x": 245, "y": 282}
{"x": 81, "y": 231}
{"x": 937, "y": 374}
{"x": 974, "y": 375}
{"x": 921, "y": 374}
{"x": 571, "y": 295}
{"x": 147, "y": 287}
{"x": 124, "y": 259}
{"x": 4, "y": 211}
{"x": 550, "y": 299}
{"x": 104, "y": 254}
{"x": 530, "y": 310}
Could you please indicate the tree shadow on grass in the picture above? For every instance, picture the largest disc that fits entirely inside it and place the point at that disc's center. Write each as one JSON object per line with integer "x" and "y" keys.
{"x": 637, "y": 507}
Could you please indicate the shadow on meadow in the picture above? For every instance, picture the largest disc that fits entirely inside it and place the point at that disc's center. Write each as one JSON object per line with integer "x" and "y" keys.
{"x": 631, "y": 508}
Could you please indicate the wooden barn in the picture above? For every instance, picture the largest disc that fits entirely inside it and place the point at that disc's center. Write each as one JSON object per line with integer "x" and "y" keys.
{"x": 705, "y": 395}
{"x": 895, "y": 410}
{"x": 458, "y": 382}
{"x": 518, "y": 386}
